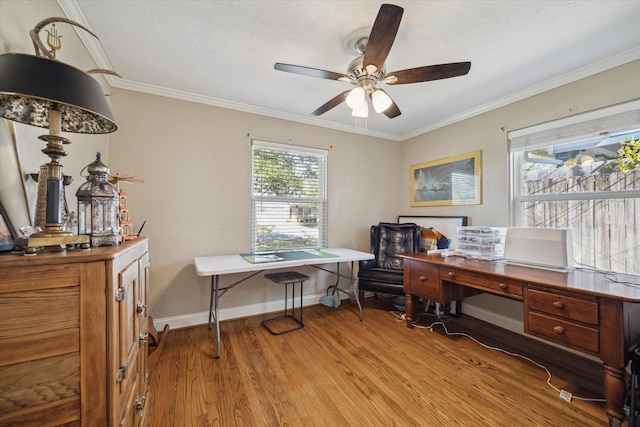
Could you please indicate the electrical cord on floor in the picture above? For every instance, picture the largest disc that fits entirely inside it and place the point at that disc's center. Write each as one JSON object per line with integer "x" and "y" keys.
{"x": 401, "y": 317}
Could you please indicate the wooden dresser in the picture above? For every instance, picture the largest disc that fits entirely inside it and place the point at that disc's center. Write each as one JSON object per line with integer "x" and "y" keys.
{"x": 73, "y": 337}
{"x": 582, "y": 309}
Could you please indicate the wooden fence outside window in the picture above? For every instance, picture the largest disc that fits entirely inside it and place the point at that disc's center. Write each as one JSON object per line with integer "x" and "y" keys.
{"x": 606, "y": 231}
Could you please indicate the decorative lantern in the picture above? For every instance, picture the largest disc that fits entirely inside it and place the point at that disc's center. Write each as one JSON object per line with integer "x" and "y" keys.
{"x": 98, "y": 207}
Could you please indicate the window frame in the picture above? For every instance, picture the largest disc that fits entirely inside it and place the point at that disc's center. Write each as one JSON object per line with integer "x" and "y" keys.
{"x": 321, "y": 200}
{"x": 575, "y": 128}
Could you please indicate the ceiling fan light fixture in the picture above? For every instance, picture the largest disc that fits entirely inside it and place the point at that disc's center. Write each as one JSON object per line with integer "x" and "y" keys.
{"x": 355, "y": 98}
{"x": 380, "y": 100}
{"x": 362, "y": 110}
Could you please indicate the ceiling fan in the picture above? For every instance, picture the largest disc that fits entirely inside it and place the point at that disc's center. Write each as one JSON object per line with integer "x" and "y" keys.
{"x": 368, "y": 69}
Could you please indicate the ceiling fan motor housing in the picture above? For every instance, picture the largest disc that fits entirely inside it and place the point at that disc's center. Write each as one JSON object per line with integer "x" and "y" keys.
{"x": 361, "y": 78}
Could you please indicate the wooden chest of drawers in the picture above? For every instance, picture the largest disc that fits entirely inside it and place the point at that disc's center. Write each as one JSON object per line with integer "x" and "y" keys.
{"x": 72, "y": 328}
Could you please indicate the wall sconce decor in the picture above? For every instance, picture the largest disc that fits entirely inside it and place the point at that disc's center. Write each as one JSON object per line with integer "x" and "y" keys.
{"x": 41, "y": 91}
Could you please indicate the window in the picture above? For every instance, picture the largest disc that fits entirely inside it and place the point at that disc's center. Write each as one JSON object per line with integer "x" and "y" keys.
{"x": 289, "y": 200}
{"x": 574, "y": 173}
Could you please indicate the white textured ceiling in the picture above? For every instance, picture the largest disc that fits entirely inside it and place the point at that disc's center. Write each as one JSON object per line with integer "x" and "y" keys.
{"x": 222, "y": 52}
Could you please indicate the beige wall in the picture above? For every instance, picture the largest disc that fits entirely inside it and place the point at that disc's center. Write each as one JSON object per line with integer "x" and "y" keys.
{"x": 488, "y": 132}
{"x": 196, "y": 163}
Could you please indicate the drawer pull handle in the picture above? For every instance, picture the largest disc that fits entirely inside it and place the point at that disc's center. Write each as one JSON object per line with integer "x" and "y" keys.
{"x": 121, "y": 374}
{"x": 140, "y": 308}
{"x": 558, "y": 330}
{"x": 140, "y": 403}
{"x": 452, "y": 274}
{"x": 558, "y": 304}
{"x": 503, "y": 286}
{"x": 422, "y": 278}
{"x": 142, "y": 339}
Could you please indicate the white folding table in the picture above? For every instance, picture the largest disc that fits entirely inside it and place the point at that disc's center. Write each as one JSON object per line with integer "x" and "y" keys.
{"x": 217, "y": 265}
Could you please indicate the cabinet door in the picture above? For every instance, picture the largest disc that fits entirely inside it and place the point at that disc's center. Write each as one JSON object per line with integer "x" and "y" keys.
{"x": 143, "y": 319}
{"x": 127, "y": 339}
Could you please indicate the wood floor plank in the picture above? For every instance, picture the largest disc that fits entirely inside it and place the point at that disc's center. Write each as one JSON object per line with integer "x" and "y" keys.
{"x": 338, "y": 371}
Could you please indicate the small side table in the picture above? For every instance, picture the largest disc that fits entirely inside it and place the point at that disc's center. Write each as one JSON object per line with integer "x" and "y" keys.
{"x": 287, "y": 278}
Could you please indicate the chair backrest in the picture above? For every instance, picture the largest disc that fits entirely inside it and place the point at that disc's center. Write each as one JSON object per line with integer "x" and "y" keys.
{"x": 389, "y": 241}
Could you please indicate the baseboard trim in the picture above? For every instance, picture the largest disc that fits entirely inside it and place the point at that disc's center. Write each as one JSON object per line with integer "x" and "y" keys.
{"x": 504, "y": 322}
{"x": 201, "y": 318}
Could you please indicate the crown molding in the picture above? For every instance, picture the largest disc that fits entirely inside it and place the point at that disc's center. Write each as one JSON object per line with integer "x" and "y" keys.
{"x": 73, "y": 12}
{"x": 133, "y": 86}
{"x": 570, "y": 77}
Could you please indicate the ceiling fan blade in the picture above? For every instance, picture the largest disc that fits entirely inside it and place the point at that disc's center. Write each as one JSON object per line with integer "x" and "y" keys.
{"x": 333, "y": 102}
{"x": 311, "y": 72}
{"x": 430, "y": 72}
{"x": 383, "y": 33}
{"x": 392, "y": 110}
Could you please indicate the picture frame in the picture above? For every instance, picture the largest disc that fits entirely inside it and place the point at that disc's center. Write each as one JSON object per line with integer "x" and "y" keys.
{"x": 7, "y": 232}
{"x": 455, "y": 180}
{"x": 447, "y": 225}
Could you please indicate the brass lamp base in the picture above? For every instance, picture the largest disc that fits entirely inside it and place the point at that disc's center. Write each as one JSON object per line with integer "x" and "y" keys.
{"x": 50, "y": 238}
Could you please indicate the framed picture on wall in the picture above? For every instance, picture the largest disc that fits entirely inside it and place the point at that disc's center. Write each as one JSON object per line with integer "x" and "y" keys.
{"x": 451, "y": 181}
{"x": 7, "y": 232}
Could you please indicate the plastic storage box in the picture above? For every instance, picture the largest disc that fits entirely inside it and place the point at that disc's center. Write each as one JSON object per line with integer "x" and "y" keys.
{"x": 481, "y": 242}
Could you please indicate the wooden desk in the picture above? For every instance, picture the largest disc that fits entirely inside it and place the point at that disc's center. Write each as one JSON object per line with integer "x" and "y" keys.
{"x": 582, "y": 309}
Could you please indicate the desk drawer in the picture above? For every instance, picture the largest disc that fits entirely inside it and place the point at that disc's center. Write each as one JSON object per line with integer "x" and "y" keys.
{"x": 563, "y": 332}
{"x": 491, "y": 284}
{"x": 581, "y": 310}
{"x": 424, "y": 281}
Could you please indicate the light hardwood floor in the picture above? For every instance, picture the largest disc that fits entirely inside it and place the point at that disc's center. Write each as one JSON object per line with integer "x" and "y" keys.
{"x": 337, "y": 371}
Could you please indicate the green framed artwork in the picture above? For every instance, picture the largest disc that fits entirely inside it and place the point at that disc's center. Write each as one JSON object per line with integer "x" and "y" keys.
{"x": 454, "y": 180}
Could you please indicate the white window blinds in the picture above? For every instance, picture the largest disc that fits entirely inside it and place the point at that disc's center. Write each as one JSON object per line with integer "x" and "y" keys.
{"x": 289, "y": 199}
{"x": 582, "y": 126}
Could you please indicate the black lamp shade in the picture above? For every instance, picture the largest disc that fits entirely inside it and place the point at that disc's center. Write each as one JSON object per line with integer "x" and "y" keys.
{"x": 30, "y": 86}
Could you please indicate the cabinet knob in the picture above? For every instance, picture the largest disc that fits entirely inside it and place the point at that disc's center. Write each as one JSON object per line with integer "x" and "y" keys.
{"x": 558, "y": 330}
{"x": 422, "y": 278}
{"x": 558, "y": 304}
{"x": 503, "y": 286}
{"x": 451, "y": 274}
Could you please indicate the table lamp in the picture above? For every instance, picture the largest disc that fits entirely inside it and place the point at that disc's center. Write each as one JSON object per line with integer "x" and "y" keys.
{"x": 43, "y": 92}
